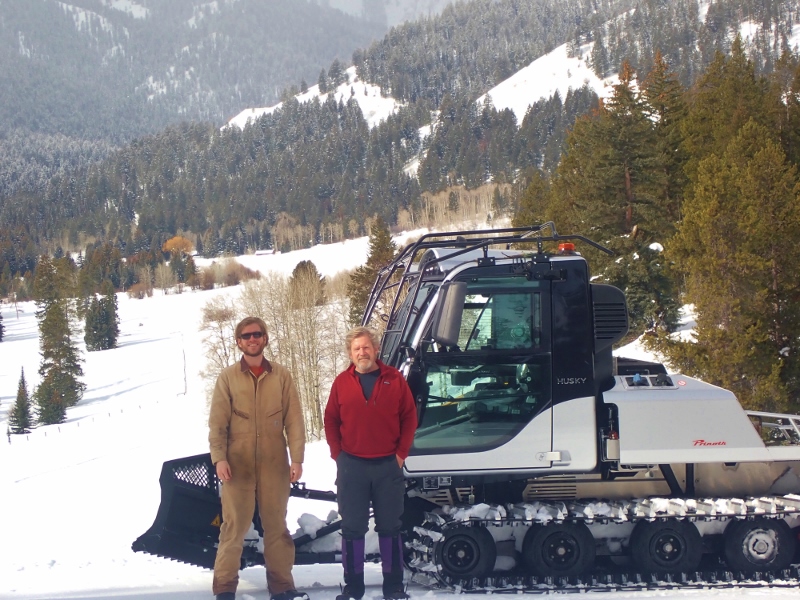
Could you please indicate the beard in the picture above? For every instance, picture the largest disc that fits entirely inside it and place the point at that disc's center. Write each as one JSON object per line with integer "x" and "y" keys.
{"x": 365, "y": 365}
{"x": 250, "y": 351}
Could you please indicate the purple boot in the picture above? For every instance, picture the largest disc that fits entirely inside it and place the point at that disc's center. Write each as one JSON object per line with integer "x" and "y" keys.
{"x": 392, "y": 566}
{"x": 353, "y": 563}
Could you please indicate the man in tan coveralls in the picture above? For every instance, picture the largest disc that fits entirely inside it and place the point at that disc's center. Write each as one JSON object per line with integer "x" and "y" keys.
{"x": 254, "y": 403}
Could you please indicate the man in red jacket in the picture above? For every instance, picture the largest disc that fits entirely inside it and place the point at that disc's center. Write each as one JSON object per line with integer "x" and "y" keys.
{"x": 369, "y": 424}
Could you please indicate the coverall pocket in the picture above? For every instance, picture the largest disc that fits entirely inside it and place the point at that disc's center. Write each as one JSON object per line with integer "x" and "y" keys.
{"x": 274, "y": 419}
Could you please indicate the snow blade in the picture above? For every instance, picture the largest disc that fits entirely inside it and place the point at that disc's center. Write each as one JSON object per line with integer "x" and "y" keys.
{"x": 187, "y": 525}
{"x": 186, "y": 528}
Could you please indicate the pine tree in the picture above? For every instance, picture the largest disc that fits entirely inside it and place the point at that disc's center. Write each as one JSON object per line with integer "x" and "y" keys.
{"x": 534, "y": 202}
{"x": 666, "y": 108}
{"x": 108, "y": 309}
{"x": 92, "y": 330}
{"x": 381, "y": 253}
{"x": 610, "y": 186}
{"x": 726, "y": 97}
{"x": 741, "y": 274}
{"x": 60, "y": 367}
{"x": 20, "y": 419}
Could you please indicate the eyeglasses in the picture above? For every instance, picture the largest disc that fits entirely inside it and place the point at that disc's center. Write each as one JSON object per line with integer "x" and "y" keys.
{"x": 255, "y": 334}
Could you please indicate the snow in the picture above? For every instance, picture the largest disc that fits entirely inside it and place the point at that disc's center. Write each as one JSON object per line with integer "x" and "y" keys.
{"x": 374, "y": 107}
{"x": 76, "y": 495}
{"x": 131, "y": 7}
{"x": 551, "y": 73}
{"x": 84, "y": 19}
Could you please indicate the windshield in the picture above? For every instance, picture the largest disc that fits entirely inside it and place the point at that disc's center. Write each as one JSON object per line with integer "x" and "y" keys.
{"x": 501, "y": 321}
{"x": 473, "y": 405}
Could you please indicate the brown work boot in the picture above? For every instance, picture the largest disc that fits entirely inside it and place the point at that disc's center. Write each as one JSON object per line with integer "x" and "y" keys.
{"x": 290, "y": 595}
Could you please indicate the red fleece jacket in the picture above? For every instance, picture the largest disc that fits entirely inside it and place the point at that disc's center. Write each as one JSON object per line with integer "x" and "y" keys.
{"x": 380, "y": 426}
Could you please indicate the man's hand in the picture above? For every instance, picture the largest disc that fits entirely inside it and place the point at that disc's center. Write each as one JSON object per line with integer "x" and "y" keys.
{"x": 295, "y": 472}
{"x": 400, "y": 461}
{"x": 224, "y": 471}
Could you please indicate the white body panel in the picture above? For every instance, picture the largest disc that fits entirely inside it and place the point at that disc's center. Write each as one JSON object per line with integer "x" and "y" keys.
{"x": 575, "y": 435}
{"x": 529, "y": 449}
{"x": 689, "y": 422}
{"x": 571, "y": 449}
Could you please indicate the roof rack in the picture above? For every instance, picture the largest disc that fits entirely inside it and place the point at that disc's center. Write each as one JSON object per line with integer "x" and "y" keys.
{"x": 466, "y": 242}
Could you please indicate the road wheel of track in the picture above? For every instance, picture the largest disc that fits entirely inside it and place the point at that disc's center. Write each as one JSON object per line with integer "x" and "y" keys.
{"x": 761, "y": 545}
{"x": 559, "y": 549}
{"x": 467, "y": 552}
{"x": 666, "y": 546}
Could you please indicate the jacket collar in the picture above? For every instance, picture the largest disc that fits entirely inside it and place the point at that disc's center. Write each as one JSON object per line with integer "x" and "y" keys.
{"x": 265, "y": 364}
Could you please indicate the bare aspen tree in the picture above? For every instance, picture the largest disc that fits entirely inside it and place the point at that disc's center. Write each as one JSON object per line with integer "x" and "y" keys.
{"x": 337, "y": 316}
{"x": 353, "y": 228}
{"x": 369, "y": 222}
{"x": 218, "y": 324}
{"x": 145, "y": 276}
{"x": 165, "y": 277}
{"x": 405, "y": 219}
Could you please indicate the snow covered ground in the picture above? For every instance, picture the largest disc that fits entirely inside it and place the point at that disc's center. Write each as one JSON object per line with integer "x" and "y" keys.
{"x": 75, "y": 496}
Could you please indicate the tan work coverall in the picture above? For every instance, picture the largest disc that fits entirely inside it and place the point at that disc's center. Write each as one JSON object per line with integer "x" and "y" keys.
{"x": 246, "y": 428}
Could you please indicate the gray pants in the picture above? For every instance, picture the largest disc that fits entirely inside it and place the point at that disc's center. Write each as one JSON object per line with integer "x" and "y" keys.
{"x": 361, "y": 481}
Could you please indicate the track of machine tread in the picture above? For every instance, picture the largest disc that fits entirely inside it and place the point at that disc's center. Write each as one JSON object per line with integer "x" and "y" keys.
{"x": 422, "y": 547}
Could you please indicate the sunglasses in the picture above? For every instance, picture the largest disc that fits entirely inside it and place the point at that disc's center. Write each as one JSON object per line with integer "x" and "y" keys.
{"x": 256, "y": 334}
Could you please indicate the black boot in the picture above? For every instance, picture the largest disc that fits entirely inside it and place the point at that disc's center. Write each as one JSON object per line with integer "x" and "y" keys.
{"x": 353, "y": 563}
{"x": 392, "y": 566}
{"x": 226, "y": 596}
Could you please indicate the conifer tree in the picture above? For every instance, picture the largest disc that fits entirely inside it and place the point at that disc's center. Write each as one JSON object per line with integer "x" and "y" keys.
{"x": 726, "y": 97}
{"x": 92, "y": 329}
{"x": 666, "y": 108}
{"x": 742, "y": 274}
{"x": 2, "y": 328}
{"x": 102, "y": 322}
{"x": 108, "y": 306}
{"x": 533, "y": 205}
{"x": 20, "y": 420}
{"x": 60, "y": 367}
{"x": 381, "y": 253}
{"x": 609, "y": 186}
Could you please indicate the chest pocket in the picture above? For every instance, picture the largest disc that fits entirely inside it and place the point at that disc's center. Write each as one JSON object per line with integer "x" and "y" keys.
{"x": 241, "y": 421}
{"x": 274, "y": 421}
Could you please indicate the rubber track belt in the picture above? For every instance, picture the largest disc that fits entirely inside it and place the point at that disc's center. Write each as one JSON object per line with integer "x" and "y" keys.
{"x": 421, "y": 548}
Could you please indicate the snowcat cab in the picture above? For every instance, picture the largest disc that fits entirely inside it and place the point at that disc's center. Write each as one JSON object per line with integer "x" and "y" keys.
{"x": 506, "y": 352}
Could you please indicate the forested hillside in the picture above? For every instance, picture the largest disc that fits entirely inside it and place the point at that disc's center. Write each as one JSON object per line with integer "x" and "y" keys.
{"x": 81, "y": 77}
{"x": 83, "y": 69}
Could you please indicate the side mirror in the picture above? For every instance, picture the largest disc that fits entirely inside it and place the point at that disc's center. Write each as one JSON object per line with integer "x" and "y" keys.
{"x": 449, "y": 308}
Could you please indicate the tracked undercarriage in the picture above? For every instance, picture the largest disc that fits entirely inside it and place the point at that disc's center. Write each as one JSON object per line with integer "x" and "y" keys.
{"x": 609, "y": 545}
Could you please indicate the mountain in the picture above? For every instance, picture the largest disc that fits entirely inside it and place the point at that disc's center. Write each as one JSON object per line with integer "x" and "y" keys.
{"x": 113, "y": 69}
{"x": 391, "y": 12}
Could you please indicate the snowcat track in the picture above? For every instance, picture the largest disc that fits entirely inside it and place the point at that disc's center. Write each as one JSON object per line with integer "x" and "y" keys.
{"x": 421, "y": 559}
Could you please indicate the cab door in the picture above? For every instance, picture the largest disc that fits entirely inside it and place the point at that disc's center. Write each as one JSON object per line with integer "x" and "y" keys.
{"x": 487, "y": 399}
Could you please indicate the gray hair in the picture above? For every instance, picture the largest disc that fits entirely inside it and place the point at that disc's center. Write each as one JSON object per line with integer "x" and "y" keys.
{"x": 357, "y": 332}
